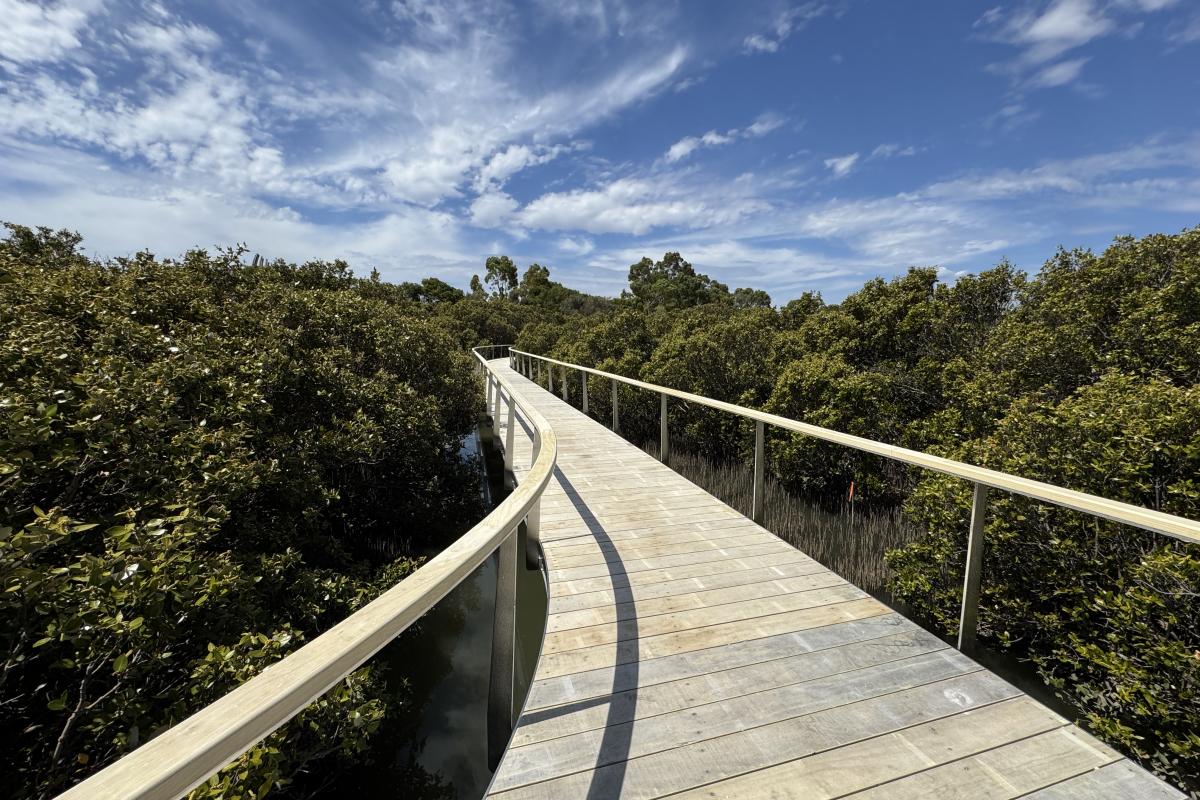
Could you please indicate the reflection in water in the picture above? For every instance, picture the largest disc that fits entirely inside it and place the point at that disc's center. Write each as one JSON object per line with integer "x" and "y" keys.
{"x": 436, "y": 746}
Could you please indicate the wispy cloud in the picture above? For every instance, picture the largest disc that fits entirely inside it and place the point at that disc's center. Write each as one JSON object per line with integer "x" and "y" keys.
{"x": 841, "y": 166}
{"x": 784, "y": 25}
{"x": 579, "y": 246}
{"x": 689, "y": 144}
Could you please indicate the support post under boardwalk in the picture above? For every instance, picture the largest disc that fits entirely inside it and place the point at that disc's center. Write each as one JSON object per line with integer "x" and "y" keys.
{"x": 969, "y": 617}
{"x": 504, "y": 630}
{"x": 664, "y": 441}
{"x": 759, "y": 502}
{"x": 583, "y": 387}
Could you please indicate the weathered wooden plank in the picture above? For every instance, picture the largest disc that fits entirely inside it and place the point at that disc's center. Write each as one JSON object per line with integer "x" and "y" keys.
{"x": 696, "y": 723}
{"x": 1009, "y": 771}
{"x": 637, "y": 627}
{"x": 658, "y": 563}
{"x": 561, "y": 587}
{"x": 714, "y": 759}
{"x": 607, "y": 597}
{"x": 587, "y": 658}
{"x": 599, "y": 682}
{"x": 1120, "y": 781}
{"x": 716, "y": 685}
{"x": 739, "y": 537}
{"x": 858, "y": 766}
{"x": 644, "y": 609}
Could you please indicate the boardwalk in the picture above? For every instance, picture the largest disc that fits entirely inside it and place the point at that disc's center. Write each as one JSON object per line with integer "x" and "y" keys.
{"x": 691, "y": 653}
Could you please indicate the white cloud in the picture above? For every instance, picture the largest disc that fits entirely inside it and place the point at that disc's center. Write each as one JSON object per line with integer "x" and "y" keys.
{"x": 1059, "y": 74}
{"x": 1043, "y": 38}
{"x": 892, "y": 150}
{"x": 785, "y": 24}
{"x": 631, "y": 205}
{"x": 689, "y": 144}
{"x": 170, "y": 39}
{"x": 34, "y": 32}
{"x": 764, "y": 125}
{"x": 492, "y": 209}
{"x": 842, "y": 165}
{"x": 1186, "y": 33}
{"x": 580, "y": 246}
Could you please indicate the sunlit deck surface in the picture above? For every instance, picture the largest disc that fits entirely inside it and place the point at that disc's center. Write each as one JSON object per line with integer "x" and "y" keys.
{"x": 690, "y": 652}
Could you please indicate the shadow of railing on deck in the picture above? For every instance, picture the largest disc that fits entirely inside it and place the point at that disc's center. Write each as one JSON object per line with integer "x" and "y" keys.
{"x": 613, "y": 751}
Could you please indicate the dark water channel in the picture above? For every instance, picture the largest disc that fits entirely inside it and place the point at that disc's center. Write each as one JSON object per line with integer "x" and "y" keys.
{"x": 439, "y": 748}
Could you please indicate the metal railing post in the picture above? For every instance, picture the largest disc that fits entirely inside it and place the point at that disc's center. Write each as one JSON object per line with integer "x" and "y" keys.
{"x": 969, "y": 618}
{"x": 616, "y": 414}
{"x": 504, "y": 627}
{"x": 508, "y": 441}
{"x": 664, "y": 441}
{"x": 583, "y": 387}
{"x": 759, "y": 502}
{"x": 533, "y": 520}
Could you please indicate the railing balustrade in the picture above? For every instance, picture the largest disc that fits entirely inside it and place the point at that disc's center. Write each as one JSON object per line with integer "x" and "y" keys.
{"x": 981, "y": 478}
{"x": 172, "y": 764}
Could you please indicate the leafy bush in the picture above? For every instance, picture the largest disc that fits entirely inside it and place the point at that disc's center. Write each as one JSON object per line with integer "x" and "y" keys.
{"x": 200, "y": 465}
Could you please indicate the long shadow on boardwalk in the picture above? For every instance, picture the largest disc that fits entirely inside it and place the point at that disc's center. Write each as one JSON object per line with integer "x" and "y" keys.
{"x": 613, "y": 751}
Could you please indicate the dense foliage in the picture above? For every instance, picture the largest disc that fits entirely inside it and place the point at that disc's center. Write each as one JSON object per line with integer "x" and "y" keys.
{"x": 1086, "y": 375}
{"x": 203, "y": 466}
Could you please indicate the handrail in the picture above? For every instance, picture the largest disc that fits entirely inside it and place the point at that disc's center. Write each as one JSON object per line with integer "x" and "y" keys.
{"x": 1178, "y": 527}
{"x": 174, "y": 763}
{"x": 983, "y": 479}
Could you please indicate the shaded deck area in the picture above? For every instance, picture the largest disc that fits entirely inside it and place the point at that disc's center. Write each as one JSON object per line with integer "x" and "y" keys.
{"x": 690, "y": 652}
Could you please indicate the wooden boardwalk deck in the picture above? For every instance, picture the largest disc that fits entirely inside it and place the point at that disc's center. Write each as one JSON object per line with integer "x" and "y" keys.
{"x": 691, "y": 653}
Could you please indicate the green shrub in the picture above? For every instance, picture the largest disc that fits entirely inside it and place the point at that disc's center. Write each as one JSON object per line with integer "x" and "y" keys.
{"x": 200, "y": 465}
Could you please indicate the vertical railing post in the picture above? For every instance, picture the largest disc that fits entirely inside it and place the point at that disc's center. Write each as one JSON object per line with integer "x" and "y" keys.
{"x": 566, "y": 386}
{"x": 504, "y": 628}
{"x": 616, "y": 413}
{"x": 759, "y": 501}
{"x": 533, "y": 520}
{"x": 496, "y": 413}
{"x": 583, "y": 388}
{"x": 969, "y": 617}
{"x": 488, "y": 403}
{"x": 550, "y": 378}
{"x": 508, "y": 441}
{"x": 664, "y": 440}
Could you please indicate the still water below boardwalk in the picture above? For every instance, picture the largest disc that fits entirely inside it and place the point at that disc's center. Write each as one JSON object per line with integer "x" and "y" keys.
{"x": 437, "y": 746}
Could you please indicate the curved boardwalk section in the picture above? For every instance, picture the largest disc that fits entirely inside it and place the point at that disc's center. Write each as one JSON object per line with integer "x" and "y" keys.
{"x": 691, "y": 653}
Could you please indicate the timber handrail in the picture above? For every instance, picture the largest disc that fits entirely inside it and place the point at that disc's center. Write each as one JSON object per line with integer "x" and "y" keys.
{"x": 1181, "y": 528}
{"x": 177, "y": 761}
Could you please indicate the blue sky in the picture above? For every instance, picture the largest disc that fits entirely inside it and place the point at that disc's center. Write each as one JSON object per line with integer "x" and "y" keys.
{"x": 786, "y": 146}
